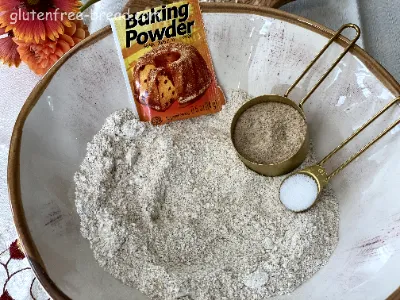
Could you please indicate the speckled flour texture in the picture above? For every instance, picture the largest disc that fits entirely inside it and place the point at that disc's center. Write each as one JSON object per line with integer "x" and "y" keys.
{"x": 172, "y": 211}
{"x": 269, "y": 132}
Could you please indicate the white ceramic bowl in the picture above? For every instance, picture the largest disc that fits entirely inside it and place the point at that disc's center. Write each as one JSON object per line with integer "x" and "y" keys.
{"x": 262, "y": 55}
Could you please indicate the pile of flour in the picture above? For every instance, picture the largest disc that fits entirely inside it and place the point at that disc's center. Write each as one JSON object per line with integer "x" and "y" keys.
{"x": 172, "y": 211}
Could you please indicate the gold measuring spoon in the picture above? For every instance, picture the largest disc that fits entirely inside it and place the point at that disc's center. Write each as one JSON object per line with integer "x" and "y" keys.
{"x": 288, "y": 165}
{"x": 299, "y": 191}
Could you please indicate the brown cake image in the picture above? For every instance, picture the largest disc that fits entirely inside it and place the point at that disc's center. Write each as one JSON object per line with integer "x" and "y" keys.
{"x": 169, "y": 73}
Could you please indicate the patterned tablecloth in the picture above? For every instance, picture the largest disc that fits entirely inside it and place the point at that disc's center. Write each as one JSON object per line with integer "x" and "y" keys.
{"x": 17, "y": 280}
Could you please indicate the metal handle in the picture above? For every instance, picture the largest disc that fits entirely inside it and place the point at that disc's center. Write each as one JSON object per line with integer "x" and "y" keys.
{"x": 337, "y": 34}
{"x": 363, "y": 149}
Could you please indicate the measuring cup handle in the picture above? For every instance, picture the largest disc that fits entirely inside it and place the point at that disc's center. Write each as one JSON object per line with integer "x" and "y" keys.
{"x": 357, "y": 132}
{"x": 337, "y": 34}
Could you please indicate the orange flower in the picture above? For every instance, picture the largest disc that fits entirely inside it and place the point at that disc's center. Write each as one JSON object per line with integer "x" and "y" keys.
{"x": 40, "y": 57}
{"x": 8, "y": 50}
{"x": 35, "y": 20}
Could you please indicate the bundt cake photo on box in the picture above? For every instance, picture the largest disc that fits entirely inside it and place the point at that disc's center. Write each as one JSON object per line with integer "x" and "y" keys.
{"x": 169, "y": 73}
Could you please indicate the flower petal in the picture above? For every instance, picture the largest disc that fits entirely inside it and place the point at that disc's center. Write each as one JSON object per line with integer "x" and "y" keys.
{"x": 9, "y": 4}
{"x": 67, "y": 5}
{"x": 25, "y": 28}
{"x": 80, "y": 33}
{"x": 8, "y": 52}
{"x": 40, "y": 57}
{"x": 54, "y": 29}
{"x": 67, "y": 39}
{"x": 64, "y": 46}
{"x": 70, "y": 30}
{"x": 29, "y": 26}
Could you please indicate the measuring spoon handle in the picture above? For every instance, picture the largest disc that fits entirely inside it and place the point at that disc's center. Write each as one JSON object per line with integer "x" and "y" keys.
{"x": 355, "y": 133}
{"x": 337, "y": 34}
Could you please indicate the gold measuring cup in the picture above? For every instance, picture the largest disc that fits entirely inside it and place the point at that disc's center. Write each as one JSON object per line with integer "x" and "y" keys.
{"x": 318, "y": 173}
{"x": 288, "y": 165}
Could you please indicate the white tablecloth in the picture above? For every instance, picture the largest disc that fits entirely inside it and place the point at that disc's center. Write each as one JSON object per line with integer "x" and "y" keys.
{"x": 379, "y": 23}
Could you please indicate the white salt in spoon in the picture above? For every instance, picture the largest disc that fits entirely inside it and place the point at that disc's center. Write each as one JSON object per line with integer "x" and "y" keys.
{"x": 305, "y": 189}
{"x": 299, "y": 191}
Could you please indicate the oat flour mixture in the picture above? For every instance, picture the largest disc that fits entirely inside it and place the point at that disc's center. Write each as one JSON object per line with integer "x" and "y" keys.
{"x": 269, "y": 132}
{"x": 172, "y": 211}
